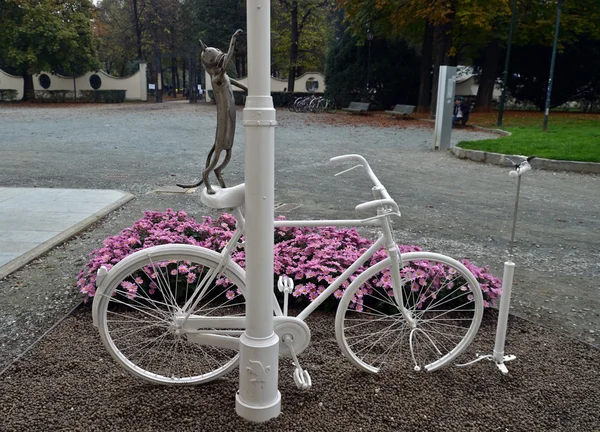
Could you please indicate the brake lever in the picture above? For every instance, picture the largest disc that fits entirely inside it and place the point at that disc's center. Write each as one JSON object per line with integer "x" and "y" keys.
{"x": 349, "y": 169}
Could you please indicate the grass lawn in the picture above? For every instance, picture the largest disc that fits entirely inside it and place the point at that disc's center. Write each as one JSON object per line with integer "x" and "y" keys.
{"x": 570, "y": 136}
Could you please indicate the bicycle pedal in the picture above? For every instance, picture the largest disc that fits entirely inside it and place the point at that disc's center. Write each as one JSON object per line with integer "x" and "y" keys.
{"x": 302, "y": 379}
{"x": 285, "y": 284}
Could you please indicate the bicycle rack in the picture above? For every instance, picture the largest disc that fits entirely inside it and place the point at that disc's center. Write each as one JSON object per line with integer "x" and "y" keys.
{"x": 521, "y": 167}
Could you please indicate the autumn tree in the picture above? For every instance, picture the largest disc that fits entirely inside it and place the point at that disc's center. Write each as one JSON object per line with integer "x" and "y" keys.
{"x": 472, "y": 31}
{"x": 441, "y": 26}
{"x": 300, "y": 35}
{"x": 46, "y": 35}
{"x": 114, "y": 29}
{"x": 391, "y": 74}
{"x": 576, "y": 74}
{"x": 214, "y": 23}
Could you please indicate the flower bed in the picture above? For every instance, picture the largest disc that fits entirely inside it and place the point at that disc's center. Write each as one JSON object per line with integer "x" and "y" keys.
{"x": 313, "y": 257}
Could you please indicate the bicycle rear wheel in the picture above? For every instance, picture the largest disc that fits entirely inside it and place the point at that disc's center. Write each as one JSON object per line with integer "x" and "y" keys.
{"x": 442, "y": 298}
{"x": 139, "y": 303}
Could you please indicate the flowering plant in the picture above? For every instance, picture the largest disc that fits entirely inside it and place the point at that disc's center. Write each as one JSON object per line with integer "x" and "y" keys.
{"x": 313, "y": 257}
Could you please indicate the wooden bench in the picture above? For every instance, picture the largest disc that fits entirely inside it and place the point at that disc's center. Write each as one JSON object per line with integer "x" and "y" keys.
{"x": 401, "y": 110}
{"x": 357, "y": 107}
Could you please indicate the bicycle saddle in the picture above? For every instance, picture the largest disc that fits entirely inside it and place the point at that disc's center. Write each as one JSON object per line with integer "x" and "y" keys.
{"x": 224, "y": 198}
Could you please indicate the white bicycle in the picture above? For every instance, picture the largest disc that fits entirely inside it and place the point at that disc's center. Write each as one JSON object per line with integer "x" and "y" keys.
{"x": 173, "y": 314}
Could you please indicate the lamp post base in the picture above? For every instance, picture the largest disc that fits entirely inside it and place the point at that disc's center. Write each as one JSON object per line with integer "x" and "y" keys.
{"x": 258, "y": 399}
{"x": 258, "y": 414}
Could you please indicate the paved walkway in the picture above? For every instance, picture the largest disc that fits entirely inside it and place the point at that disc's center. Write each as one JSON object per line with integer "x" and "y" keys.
{"x": 34, "y": 220}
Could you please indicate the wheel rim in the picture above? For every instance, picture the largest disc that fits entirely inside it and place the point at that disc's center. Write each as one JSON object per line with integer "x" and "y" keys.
{"x": 138, "y": 325}
{"x": 373, "y": 331}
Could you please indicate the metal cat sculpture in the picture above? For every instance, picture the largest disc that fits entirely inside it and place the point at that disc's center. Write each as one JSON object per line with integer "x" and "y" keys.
{"x": 215, "y": 63}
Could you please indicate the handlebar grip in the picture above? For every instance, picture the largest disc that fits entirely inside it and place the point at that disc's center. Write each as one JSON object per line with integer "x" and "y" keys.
{"x": 377, "y": 203}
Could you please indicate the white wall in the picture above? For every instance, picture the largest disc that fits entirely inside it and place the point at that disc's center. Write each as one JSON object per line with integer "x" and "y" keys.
{"x": 11, "y": 82}
{"x": 466, "y": 86}
{"x": 135, "y": 86}
{"x": 278, "y": 85}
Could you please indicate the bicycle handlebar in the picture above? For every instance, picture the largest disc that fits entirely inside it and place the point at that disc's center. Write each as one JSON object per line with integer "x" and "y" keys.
{"x": 386, "y": 200}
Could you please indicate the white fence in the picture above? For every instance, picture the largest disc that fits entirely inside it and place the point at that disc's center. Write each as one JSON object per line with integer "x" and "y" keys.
{"x": 11, "y": 82}
{"x": 135, "y": 86}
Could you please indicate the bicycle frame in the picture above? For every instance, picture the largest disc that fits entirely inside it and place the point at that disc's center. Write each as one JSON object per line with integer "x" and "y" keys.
{"x": 233, "y": 326}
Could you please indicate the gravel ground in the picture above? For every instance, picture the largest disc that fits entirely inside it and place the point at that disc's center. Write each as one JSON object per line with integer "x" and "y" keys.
{"x": 70, "y": 383}
{"x": 452, "y": 206}
{"x": 139, "y": 148}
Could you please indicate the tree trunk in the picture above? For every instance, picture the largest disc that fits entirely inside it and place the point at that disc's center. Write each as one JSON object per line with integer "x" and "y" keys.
{"x": 485, "y": 92}
{"x": 159, "y": 80}
{"x": 174, "y": 76}
{"x": 294, "y": 48}
{"x": 443, "y": 43}
{"x": 28, "y": 93}
{"x": 138, "y": 29}
{"x": 183, "y": 73}
{"x": 425, "y": 71}
{"x": 193, "y": 91}
{"x": 238, "y": 66}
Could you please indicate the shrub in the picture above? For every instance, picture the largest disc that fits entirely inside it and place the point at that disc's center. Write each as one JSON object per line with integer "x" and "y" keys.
{"x": 313, "y": 257}
{"x": 105, "y": 96}
{"x": 53, "y": 95}
{"x": 8, "y": 95}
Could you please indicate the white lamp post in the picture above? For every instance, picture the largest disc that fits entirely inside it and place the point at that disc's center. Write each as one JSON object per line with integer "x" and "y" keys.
{"x": 258, "y": 398}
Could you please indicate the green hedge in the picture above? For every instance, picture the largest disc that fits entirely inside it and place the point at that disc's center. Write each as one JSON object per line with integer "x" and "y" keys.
{"x": 7, "y": 95}
{"x": 105, "y": 96}
{"x": 53, "y": 95}
{"x": 280, "y": 99}
{"x": 98, "y": 96}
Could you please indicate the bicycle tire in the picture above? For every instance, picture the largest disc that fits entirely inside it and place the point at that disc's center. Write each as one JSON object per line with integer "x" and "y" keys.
{"x": 147, "y": 319}
{"x": 372, "y": 332}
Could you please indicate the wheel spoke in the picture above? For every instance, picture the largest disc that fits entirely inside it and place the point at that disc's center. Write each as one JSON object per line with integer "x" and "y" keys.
{"x": 143, "y": 327}
{"x": 441, "y": 320}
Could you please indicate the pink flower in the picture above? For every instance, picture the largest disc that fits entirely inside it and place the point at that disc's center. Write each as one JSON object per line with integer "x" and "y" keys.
{"x": 314, "y": 256}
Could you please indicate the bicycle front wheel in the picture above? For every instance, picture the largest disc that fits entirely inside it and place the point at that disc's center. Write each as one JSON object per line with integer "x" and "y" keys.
{"x": 443, "y": 303}
{"x": 139, "y": 314}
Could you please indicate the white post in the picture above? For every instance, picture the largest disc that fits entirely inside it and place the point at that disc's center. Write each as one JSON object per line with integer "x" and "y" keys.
{"x": 143, "y": 82}
{"x": 258, "y": 398}
{"x": 507, "y": 281}
{"x": 444, "y": 107}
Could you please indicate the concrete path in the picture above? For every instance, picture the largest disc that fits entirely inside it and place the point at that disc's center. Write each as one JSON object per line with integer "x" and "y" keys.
{"x": 34, "y": 220}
